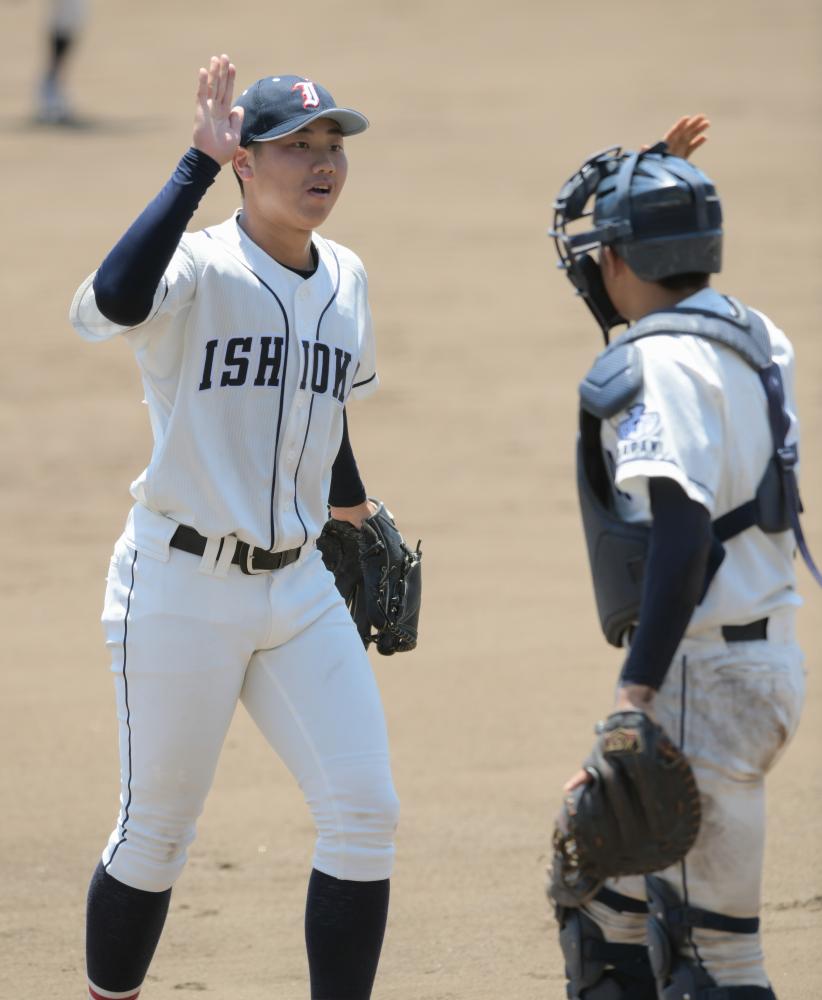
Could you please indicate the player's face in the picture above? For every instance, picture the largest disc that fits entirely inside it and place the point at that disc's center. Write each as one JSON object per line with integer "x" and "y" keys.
{"x": 297, "y": 179}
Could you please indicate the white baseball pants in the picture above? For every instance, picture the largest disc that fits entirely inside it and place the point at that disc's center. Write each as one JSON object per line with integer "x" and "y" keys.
{"x": 186, "y": 645}
{"x": 732, "y": 708}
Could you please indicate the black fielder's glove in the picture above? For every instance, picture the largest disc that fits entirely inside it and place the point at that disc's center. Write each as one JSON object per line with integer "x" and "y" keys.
{"x": 639, "y": 814}
{"x": 379, "y": 578}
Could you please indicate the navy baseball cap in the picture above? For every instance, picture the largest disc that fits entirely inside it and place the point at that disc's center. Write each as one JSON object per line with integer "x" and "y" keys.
{"x": 279, "y": 105}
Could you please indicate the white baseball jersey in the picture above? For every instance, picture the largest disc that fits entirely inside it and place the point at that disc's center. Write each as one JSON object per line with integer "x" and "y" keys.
{"x": 701, "y": 419}
{"x": 246, "y": 368}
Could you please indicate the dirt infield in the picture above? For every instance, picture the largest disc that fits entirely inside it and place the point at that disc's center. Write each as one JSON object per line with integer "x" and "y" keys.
{"x": 479, "y": 112}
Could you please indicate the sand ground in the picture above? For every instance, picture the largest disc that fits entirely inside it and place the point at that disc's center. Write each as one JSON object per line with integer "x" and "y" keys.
{"x": 479, "y": 112}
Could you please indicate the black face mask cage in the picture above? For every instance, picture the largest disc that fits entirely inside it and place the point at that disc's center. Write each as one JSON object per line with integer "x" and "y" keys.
{"x": 574, "y": 251}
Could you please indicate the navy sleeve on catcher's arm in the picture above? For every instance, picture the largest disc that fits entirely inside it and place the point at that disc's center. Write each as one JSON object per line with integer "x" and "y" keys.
{"x": 347, "y": 488}
{"x": 125, "y": 282}
{"x": 674, "y": 578}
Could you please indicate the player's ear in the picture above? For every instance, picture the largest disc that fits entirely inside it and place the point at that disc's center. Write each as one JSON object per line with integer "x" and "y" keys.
{"x": 607, "y": 261}
{"x": 613, "y": 266}
{"x": 243, "y": 163}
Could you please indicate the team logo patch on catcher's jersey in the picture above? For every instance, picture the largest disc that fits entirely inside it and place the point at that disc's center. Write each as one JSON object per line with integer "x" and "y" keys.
{"x": 311, "y": 99}
{"x": 638, "y": 433}
{"x": 638, "y": 423}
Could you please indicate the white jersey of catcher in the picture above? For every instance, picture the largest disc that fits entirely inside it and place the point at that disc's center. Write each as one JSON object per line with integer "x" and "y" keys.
{"x": 701, "y": 419}
{"x": 246, "y": 368}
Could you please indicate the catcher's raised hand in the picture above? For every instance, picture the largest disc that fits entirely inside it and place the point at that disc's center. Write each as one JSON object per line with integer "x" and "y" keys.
{"x": 217, "y": 123}
{"x": 685, "y": 136}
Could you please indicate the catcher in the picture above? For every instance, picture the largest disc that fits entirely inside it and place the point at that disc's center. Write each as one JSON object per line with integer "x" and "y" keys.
{"x": 686, "y": 475}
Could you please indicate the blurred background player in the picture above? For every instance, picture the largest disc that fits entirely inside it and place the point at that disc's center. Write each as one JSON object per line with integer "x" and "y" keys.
{"x": 66, "y": 19}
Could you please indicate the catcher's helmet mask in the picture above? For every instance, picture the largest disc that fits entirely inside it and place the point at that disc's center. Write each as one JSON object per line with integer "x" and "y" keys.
{"x": 659, "y": 212}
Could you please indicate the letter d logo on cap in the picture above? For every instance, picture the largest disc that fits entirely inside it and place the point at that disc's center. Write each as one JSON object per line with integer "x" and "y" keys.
{"x": 311, "y": 99}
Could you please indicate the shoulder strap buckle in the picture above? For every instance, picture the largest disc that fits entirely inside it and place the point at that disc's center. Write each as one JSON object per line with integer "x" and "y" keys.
{"x": 787, "y": 456}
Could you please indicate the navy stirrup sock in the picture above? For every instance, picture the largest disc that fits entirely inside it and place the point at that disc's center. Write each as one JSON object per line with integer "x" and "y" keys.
{"x": 344, "y": 928}
{"x": 123, "y": 926}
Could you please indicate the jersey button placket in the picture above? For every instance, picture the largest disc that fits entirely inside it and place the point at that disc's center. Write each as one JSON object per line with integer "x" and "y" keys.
{"x": 298, "y": 415}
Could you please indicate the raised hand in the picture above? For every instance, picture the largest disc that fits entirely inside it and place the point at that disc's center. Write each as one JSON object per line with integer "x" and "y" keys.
{"x": 687, "y": 135}
{"x": 216, "y": 124}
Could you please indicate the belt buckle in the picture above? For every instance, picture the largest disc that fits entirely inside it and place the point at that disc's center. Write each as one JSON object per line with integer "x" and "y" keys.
{"x": 245, "y": 557}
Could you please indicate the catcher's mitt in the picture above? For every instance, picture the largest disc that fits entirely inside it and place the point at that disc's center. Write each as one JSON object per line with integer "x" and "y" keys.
{"x": 379, "y": 577}
{"x": 639, "y": 814}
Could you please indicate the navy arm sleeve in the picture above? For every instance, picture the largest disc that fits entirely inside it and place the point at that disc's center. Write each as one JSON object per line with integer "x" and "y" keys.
{"x": 126, "y": 281}
{"x": 674, "y": 578}
{"x": 347, "y": 489}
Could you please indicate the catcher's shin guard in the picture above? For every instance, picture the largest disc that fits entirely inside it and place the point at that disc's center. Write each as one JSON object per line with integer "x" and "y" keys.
{"x": 678, "y": 977}
{"x": 597, "y": 969}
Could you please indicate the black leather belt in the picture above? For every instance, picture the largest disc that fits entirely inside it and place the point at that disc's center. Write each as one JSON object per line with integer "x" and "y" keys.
{"x": 746, "y": 633}
{"x": 249, "y": 560}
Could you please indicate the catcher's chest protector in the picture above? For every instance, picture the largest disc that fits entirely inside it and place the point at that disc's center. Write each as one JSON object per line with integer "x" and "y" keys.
{"x": 616, "y": 549}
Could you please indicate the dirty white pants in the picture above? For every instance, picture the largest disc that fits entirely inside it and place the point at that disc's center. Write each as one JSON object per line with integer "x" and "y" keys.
{"x": 732, "y": 707}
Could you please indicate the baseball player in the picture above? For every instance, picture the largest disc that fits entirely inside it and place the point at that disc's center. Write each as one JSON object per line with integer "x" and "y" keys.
{"x": 251, "y": 337}
{"x": 686, "y": 469}
{"x": 65, "y": 22}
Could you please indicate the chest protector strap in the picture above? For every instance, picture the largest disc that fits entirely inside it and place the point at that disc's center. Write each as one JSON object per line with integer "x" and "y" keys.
{"x": 617, "y": 550}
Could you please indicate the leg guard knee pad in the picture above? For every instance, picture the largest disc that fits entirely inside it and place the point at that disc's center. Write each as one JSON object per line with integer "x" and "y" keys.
{"x": 597, "y": 969}
{"x": 677, "y": 976}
